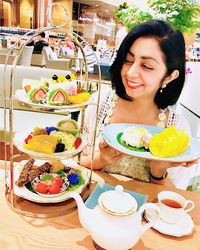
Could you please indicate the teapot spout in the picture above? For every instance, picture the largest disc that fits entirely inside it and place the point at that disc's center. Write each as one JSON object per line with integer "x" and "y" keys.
{"x": 84, "y": 213}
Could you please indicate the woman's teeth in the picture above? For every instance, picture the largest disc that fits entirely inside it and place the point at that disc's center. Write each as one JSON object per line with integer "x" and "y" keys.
{"x": 133, "y": 84}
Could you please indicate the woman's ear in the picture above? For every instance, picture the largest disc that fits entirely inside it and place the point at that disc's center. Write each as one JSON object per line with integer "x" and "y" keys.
{"x": 171, "y": 77}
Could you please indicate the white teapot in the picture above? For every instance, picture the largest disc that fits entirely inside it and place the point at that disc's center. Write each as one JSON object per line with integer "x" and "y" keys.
{"x": 115, "y": 223}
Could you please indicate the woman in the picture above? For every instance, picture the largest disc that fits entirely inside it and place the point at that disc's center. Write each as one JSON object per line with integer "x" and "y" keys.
{"x": 147, "y": 76}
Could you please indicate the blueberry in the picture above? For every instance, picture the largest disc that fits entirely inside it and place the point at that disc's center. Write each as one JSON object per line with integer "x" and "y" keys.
{"x": 66, "y": 169}
{"x": 50, "y": 129}
{"x": 73, "y": 179}
{"x": 60, "y": 147}
{"x": 55, "y": 77}
{"x": 68, "y": 77}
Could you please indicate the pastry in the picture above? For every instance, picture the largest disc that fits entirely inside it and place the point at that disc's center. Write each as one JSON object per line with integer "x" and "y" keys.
{"x": 137, "y": 137}
{"x": 57, "y": 97}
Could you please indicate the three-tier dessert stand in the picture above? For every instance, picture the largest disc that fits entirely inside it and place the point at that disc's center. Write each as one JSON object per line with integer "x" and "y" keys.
{"x": 18, "y": 203}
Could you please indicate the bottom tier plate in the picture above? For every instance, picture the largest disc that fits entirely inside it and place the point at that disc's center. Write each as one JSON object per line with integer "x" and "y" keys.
{"x": 27, "y": 194}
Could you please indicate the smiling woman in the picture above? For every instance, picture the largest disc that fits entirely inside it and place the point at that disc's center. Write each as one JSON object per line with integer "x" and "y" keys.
{"x": 147, "y": 77}
{"x": 143, "y": 71}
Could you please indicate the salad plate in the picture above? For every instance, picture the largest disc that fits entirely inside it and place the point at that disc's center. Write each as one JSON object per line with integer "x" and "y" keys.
{"x": 183, "y": 227}
{"x": 64, "y": 184}
{"x": 111, "y": 134}
{"x": 19, "y": 138}
{"x": 28, "y": 193}
{"x": 21, "y": 96}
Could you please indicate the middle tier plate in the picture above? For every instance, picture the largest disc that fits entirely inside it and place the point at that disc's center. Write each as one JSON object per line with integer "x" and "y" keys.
{"x": 19, "y": 138}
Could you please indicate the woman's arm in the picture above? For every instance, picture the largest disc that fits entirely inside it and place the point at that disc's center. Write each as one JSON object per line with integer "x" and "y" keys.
{"x": 159, "y": 168}
{"x": 106, "y": 156}
{"x": 86, "y": 161}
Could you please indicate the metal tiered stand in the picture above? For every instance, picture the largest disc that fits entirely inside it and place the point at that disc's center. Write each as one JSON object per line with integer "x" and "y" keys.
{"x": 18, "y": 203}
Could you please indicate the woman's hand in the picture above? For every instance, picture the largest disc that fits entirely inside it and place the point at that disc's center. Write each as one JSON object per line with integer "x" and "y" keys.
{"x": 108, "y": 155}
{"x": 104, "y": 157}
{"x": 158, "y": 168}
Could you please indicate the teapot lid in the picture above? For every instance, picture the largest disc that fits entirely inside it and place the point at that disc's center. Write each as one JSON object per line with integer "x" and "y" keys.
{"x": 117, "y": 202}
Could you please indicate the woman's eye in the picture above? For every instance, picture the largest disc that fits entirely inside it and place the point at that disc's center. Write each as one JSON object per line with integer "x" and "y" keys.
{"x": 147, "y": 67}
{"x": 127, "y": 61}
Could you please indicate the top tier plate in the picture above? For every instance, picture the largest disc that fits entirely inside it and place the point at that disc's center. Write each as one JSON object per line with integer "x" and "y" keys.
{"x": 21, "y": 96}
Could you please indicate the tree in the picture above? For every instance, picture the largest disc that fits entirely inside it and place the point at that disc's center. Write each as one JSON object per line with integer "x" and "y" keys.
{"x": 182, "y": 14}
{"x": 131, "y": 15}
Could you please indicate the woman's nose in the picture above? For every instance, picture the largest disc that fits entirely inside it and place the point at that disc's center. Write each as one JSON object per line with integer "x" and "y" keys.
{"x": 133, "y": 70}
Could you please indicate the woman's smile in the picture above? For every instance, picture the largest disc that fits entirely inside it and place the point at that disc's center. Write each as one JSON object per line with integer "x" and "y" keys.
{"x": 134, "y": 85}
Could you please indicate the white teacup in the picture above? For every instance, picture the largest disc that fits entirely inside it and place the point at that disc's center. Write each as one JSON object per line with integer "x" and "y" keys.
{"x": 173, "y": 206}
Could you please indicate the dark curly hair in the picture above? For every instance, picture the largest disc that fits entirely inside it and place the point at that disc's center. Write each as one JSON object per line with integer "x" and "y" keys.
{"x": 172, "y": 45}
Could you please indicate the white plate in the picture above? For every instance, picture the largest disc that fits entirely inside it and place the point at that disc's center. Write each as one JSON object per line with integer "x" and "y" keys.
{"x": 111, "y": 131}
{"x": 28, "y": 195}
{"x": 19, "y": 138}
{"x": 183, "y": 227}
{"x": 21, "y": 96}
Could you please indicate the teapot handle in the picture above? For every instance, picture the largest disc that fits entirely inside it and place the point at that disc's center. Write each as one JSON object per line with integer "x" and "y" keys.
{"x": 154, "y": 220}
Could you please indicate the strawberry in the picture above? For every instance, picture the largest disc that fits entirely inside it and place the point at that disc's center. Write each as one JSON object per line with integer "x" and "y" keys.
{"x": 42, "y": 188}
{"x": 39, "y": 94}
{"x": 54, "y": 188}
{"x": 28, "y": 138}
{"x": 80, "y": 91}
{"x": 59, "y": 181}
{"x": 77, "y": 143}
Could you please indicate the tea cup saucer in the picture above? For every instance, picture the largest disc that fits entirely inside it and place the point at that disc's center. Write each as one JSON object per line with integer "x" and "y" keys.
{"x": 183, "y": 227}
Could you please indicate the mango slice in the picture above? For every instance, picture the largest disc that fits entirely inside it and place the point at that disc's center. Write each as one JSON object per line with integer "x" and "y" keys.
{"x": 42, "y": 144}
{"x": 79, "y": 98}
{"x": 170, "y": 142}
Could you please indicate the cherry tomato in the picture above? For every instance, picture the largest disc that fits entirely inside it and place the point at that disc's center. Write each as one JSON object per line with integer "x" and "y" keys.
{"x": 59, "y": 181}
{"x": 54, "y": 188}
{"x": 42, "y": 188}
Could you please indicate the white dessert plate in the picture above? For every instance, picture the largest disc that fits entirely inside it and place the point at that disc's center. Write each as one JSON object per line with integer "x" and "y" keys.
{"x": 19, "y": 138}
{"x": 111, "y": 131}
{"x": 21, "y": 96}
{"x": 183, "y": 227}
{"x": 25, "y": 193}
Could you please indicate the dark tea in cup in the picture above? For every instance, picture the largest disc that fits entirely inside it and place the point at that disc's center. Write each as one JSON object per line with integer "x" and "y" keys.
{"x": 171, "y": 203}
{"x": 173, "y": 206}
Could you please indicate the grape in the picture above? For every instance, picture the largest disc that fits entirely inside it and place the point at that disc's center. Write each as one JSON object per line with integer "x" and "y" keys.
{"x": 68, "y": 77}
{"x": 60, "y": 147}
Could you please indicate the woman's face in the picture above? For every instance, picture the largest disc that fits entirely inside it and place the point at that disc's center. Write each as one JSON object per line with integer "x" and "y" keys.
{"x": 144, "y": 69}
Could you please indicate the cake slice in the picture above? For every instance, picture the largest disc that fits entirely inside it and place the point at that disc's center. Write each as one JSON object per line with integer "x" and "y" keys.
{"x": 30, "y": 172}
{"x": 24, "y": 173}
